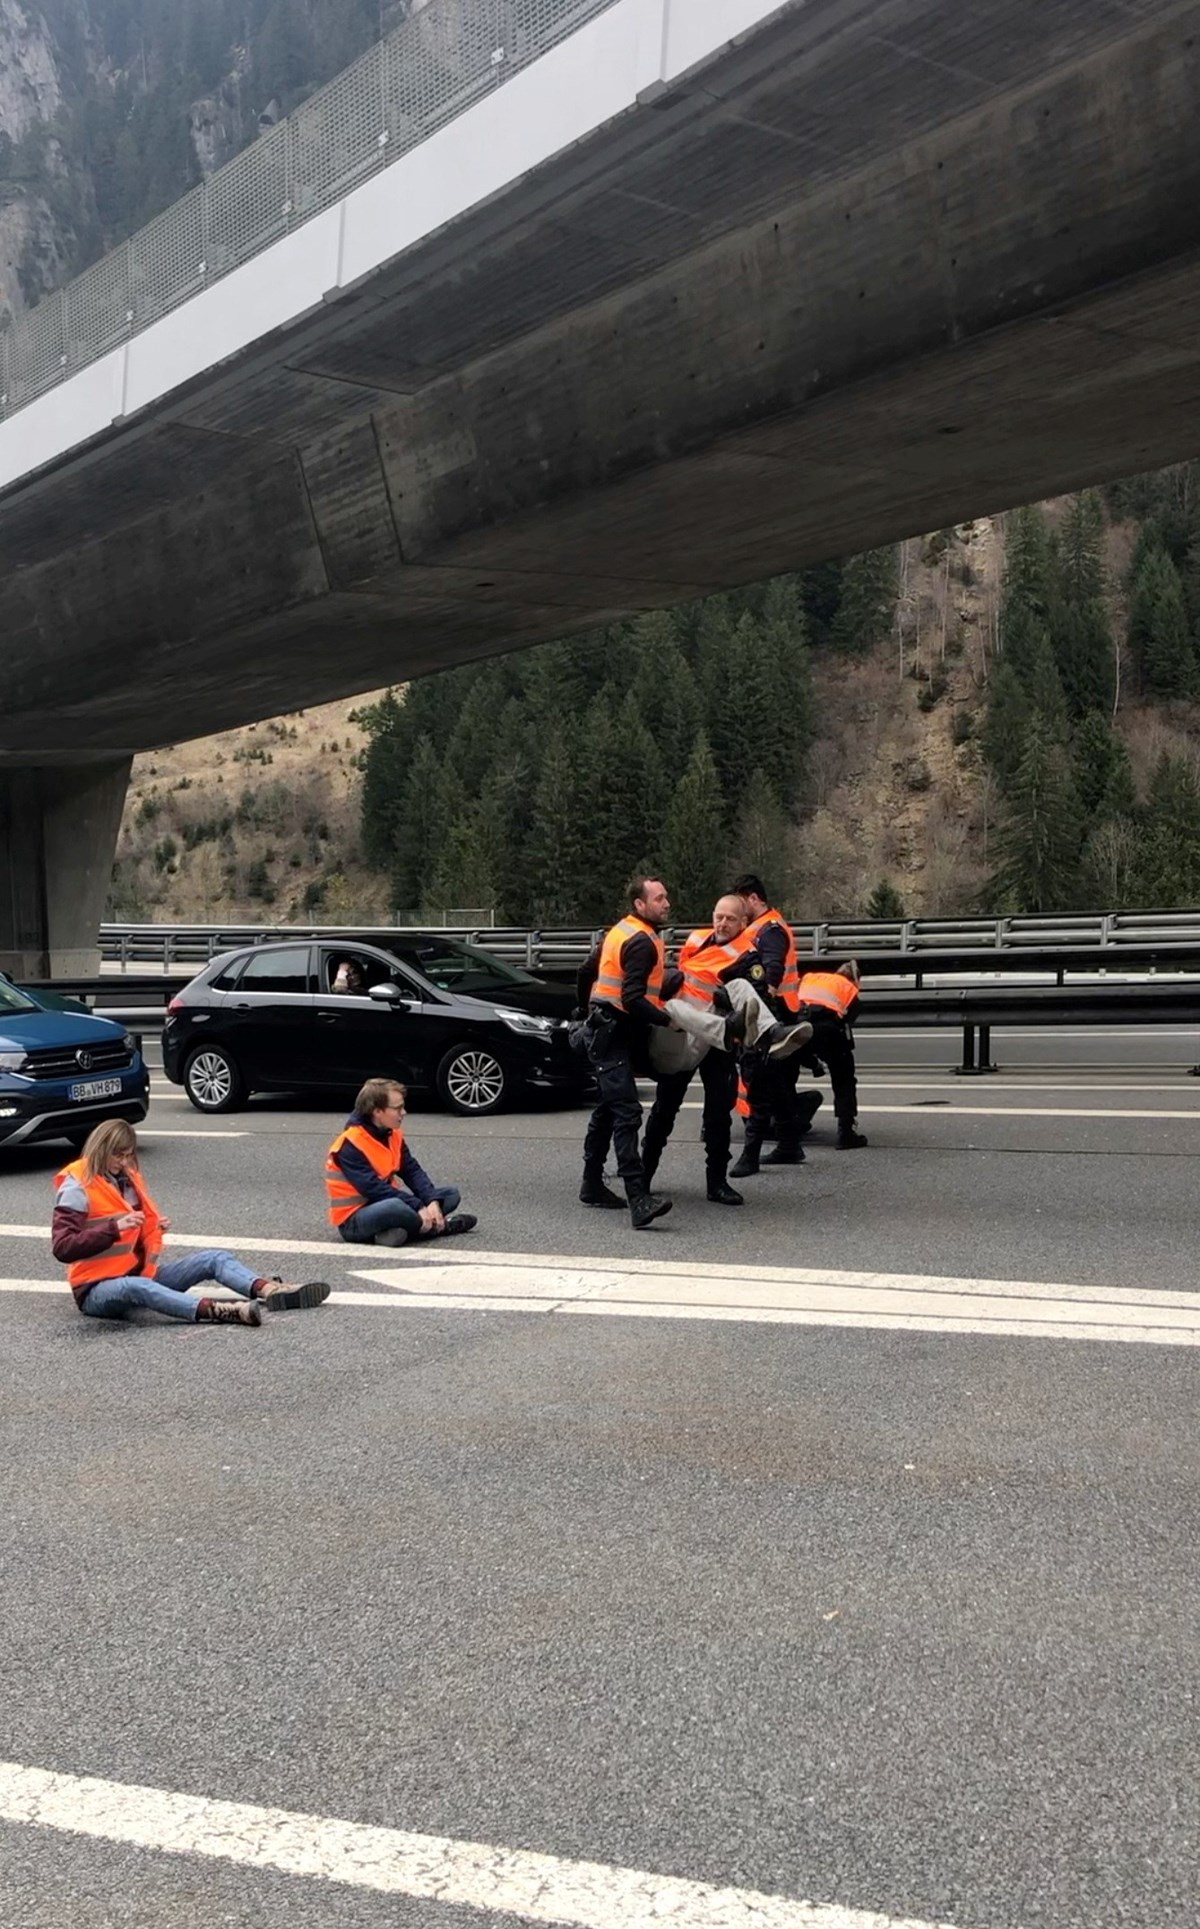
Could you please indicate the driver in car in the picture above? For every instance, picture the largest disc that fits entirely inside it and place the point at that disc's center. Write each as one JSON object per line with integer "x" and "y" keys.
{"x": 378, "y": 1193}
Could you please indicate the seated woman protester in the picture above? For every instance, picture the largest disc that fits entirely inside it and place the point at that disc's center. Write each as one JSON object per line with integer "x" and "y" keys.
{"x": 109, "y": 1233}
{"x": 378, "y": 1194}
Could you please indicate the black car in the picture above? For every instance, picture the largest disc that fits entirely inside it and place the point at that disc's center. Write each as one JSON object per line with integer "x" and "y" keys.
{"x": 433, "y": 1012}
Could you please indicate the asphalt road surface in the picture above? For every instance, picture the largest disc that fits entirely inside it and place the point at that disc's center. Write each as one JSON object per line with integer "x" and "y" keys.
{"x": 840, "y": 1550}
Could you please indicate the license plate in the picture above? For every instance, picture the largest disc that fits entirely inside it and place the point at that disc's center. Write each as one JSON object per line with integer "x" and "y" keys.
{"x": 95, "y": 1088}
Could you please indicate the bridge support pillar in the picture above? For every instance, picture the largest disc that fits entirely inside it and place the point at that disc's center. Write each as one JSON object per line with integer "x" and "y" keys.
{"x": 58, "y": 833}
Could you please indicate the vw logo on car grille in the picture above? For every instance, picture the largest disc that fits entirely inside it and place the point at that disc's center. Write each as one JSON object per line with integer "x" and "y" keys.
{"x": 84, "y": 1061}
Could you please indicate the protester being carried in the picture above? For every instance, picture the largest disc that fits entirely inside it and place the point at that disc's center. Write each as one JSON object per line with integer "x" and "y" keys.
{"x": 109, "y": 1233}
{"x": 378, "y": 1193}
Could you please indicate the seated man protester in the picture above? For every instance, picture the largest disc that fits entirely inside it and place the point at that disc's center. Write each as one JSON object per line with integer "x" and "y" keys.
{"x": 378, "y": 1193}
{"x": 109, "y": 1233}
{"x": 720, "y": 968}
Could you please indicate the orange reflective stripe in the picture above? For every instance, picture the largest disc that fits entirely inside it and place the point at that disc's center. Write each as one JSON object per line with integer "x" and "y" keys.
{"x": 341, "y": 1192}
{"x": 702, "y": 964}
{"x": 610, "y": 977}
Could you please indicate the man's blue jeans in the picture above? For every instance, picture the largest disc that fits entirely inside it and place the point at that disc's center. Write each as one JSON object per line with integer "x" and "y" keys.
{"x": 401, "y": 1213}
{"x": 167, "y": 1292}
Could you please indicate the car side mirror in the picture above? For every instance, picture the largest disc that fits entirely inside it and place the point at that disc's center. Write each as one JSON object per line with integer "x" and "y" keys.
{"x": 388, "y": 994}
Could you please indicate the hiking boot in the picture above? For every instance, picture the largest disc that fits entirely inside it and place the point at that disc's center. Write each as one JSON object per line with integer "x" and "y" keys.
{"x": 230, "y": 1312}
{"x": 782, "y": 1040}
{"x": 280, "y": 1298}
{"x": 648, "y": 1207}
{"x": 722, "y": 1193}
{"x": 848, "y": 1140}
{"x": 461, "y": 1222}
{"x": 811, "y": 1104}
{"x": 594, "y": 1192}
{"x": 785, "y": 1154}
{"x": 747, "y": 1165}
{"x": 394, "y": 1236}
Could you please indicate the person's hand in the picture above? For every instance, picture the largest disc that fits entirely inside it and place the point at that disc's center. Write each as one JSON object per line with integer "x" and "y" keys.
{"x": 432, "y": 1217}
{"x": 130, "y": 1221}
{"x": 165, "y": 1224}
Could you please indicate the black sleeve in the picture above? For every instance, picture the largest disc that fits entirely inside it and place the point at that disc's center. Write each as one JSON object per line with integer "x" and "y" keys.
{"x": 638, "y": 956}
{"x": 772, "y": 945}
{"x": 585, "y": 977}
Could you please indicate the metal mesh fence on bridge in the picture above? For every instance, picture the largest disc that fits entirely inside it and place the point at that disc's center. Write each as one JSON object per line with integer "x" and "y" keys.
{"x": 436, "y": 66}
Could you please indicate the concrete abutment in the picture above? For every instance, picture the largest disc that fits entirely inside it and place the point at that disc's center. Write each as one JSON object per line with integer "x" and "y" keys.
{"x": 58, "y": 836}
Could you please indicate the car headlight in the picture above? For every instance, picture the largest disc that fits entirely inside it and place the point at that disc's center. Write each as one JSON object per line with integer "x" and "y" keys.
{"x": 11, "y": 1061}
{"x": 526, "y": 1021}
{"x": 131, "y": 1043}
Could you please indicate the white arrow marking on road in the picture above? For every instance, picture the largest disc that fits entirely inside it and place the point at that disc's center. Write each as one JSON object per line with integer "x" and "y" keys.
{"x": 435, "y": 1868}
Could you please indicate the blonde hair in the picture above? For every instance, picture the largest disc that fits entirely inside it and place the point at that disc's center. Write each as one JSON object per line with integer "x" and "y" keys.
{"x": 114, "y": 1137}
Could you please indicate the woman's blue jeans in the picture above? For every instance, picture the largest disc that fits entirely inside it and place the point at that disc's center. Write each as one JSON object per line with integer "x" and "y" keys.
{"x": 168, "y": 1291}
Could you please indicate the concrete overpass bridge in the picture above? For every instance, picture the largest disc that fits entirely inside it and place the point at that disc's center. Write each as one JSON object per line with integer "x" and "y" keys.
{"x": 551, "y": 310}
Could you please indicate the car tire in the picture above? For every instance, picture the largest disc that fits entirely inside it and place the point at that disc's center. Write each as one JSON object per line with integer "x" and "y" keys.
{"x": 212, "y": 1080}
{"x": 472, "y": 1082}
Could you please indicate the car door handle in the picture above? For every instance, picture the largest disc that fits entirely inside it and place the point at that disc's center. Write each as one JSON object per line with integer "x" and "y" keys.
{"x": 328, "y": 1017}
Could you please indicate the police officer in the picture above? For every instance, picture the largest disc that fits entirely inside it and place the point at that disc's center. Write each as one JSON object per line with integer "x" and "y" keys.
{"x": 771, "y": 1088}
{"x": 626, "y": 1003}
{"x": 828, "y": 1000}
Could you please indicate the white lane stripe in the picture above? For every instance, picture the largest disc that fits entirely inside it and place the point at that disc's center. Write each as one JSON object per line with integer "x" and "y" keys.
{"x": 952, "y": 1109}
{"x": 388, "y": 1861}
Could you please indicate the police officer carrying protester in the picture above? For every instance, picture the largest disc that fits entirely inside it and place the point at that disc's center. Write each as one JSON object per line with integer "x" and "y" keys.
{"x": 721, "y": 971}
{"x": 771, "y": 1088}
{"x": 626, "y": 1003}
{"x": 827, "y": 1000}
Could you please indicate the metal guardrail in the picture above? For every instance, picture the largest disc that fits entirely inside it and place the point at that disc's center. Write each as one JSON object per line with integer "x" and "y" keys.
{"x": 407, "y": 86}
{"x": 889, "y": 946}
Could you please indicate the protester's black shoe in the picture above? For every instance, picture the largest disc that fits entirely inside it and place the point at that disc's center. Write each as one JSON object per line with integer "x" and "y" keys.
{"x": 461, "y": 1222}
{"x": 735, "y": 1030}
{"x": 649, "y": 1207}
{"x": 599, "y": 1195}
{"x": 848, "y": 1140}
{"x": 782, "y": 1154}
{"x": 747, "y": 1165}
{"x": 277, "y": 1296}
{"x": 810, "y": 1104}
{"x": 394, "y": 1236}
{"x": 723, "y": 1194}
{"x": 782, "y": 1040}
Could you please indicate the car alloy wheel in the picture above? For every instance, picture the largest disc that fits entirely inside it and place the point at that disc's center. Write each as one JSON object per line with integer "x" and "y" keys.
{"x": 473, "y": 1080}
{"x": 213, "y": 1082}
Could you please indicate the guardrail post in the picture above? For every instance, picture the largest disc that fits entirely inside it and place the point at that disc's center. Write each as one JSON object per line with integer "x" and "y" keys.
{"x": 968, "y": 1065}
{"x": 976, "y": 1058}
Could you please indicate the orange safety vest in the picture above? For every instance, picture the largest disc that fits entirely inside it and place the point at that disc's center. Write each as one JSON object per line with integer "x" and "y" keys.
{"x": 703, "y": 963}
{"x": 788, "y": 987}
{"x": 135, "y": 1251}
{"x": 830, "y": 989}
{"x": 344, "y": 1198}
{"x": 609, "y": 977}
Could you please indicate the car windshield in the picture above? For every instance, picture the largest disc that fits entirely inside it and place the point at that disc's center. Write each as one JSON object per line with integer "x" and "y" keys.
{"x": 452, "y": 966}
{"x": 13, "y": 1000}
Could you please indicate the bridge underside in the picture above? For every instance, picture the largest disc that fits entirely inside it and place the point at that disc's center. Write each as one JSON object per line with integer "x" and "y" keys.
{"x": 885, "y": 267}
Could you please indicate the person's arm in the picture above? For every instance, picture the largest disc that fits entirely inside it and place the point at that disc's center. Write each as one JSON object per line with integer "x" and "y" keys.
{"x": 415, "y": 1177}
{"x": 772, "y": 947}
{"x": 585, "y": 977}
{"x": 362, "y": 1174}
{"x": 72, "y": 1234}
{"x": 638, "y": 955}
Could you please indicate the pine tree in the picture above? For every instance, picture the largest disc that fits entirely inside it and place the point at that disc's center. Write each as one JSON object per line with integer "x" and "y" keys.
{"x": 420, "y": 828}
{"x": 1028, "y": 579}
{"x": 1006, "y": 723}
{"x": 783, "y": 639}
{"x": 1158, "y": 629}
{"x": 1041, "y": 840}
{"x": 761, "y": 840}
{"x": 1169, "y": 866}
{"x": 1079, "y": 628}
{"x": 1102, "y": 770}
{"x": 555, "y": 853}
{"x": 693, "y": 839}
{"x": 867, "y": 606}
{"x": 665, "y": 688}
{"x": 385, "y": 772}
{"x": 885, "y": 902}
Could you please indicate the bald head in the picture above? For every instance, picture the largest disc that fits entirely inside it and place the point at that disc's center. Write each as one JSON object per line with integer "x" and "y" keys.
{"x": 730, "y": 918}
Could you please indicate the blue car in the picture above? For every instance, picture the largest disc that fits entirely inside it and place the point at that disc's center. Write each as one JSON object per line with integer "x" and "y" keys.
{"x": 63, "y": 1071}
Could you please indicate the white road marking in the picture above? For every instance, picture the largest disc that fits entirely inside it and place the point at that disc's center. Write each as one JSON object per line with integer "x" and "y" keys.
{"x": 233, "y": 1241}
{"x": 388, "y": 1861}
{"x": 162, "y": 1132}
{"x": 952, "y": 1109}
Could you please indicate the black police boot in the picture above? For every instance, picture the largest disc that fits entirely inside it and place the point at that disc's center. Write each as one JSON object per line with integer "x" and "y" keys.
{"x": 594, "y": 1192}
{"x": 785, "y": 1152}
{"x": 721, "y": 1192}
{"x": 646, "y": 1208}
{"x": 747, "y": 1165}
{"x": 809, "y": 1104}
{"x": 848, "y": 1140}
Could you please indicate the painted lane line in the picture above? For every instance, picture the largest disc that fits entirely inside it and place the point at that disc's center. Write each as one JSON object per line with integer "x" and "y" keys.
{"x": 388, "y": 1861}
